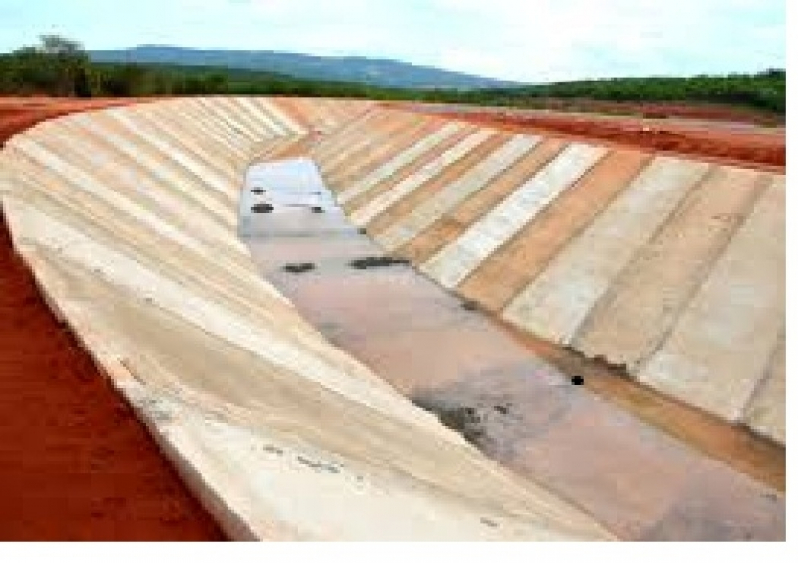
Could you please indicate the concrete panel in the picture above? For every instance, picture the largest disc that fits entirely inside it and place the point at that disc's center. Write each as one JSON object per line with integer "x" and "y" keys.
{"x": 556, "y": 303}
{"x": 343, "y": 137}
{"x": 193, "y": 117}
{"x": 216, "y": 126}
{"x": 406, "y": 205}
{"x": 124, "y": 171}
{"x": 631, "y": 320}
{"x": 175, "y": 173}
{"x": 155, "y": 248}
{"x": 91, "y": 170}
{"x": 454, "y": 223}
{"x": 239, "y": 117}
{"x": 190, "y": 115}
{"x": 405, "y": 172}
{"x": 177, "y": 129}
{"x": 457, "y": 192}
{"x": 507, "y": 271}
{"x": 230, "y": 123}
{"x": 379, "y": 204}
{"x": 280, "y": 116}
{"x": 397, "y": 162}
{"x": 720, "y": 348}
{"x": 191, "y": 140}
{"x": 158, "y": 164}
{"x": 266, "y": 122}
{"x": 359, "y": 140}
{"x": 454, "y": 262}
{"x": 378, "y": 154}
{"x": 296, "y": 111}
{"x": 193, "y": 165}
{"x": 766, "y": 414}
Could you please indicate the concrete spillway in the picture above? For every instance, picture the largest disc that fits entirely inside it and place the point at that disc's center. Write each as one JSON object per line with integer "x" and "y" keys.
{"x": 128, "y": 218}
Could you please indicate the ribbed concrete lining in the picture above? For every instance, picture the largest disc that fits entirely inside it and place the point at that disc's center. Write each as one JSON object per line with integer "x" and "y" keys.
{"x": 432, "y": 347}
{"x": 721, "y": 347}
{"x": 483, "y": 237}
{"x": 604, "y": 257}
{"x": 128, "y": 220}
{"x": 672, "y": 267}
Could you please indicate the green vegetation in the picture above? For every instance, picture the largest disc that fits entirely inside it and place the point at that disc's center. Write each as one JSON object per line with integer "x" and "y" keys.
{"x": 765, "y": 90}
{"x": 57, "y": 66}
{"x": 61, "y": 67}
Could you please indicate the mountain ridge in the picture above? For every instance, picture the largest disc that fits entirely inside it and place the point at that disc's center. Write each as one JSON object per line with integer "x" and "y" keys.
{"x": 375, "y": 71}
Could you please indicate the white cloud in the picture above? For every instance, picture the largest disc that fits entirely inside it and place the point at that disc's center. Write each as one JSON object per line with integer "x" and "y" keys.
{"x": 532, "y": 40}
{"x": 567, "y": 39}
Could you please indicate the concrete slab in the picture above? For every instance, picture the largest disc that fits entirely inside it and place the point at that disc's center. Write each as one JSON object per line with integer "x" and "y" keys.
{"x": 372, "y": 134}
{"x": 707, "y": 510}
{"x": 264, "y": 121}
{"x": 407, "y": 204}
{"x": 454, "y": 262}
{"x": 405, "y": 172}
{"x": 639, "y": 310}
{"x": 157, "y": 164}
{"x": 276, "y": 113}
{"x": 401, "y": 159}
{"x": 454, "y": 223}
{"x": 766, "y": 414}
{"x": 456, "y": 192}
{"x": 345, "y": 135}
{"x": 513, "y": 266}
{"x": 557, "y": 302}
{"x": 740, "y": 307}
{"x": 365, "y": 214}
{"x": 200, "y": 147}
{"x": 377, "y": 154}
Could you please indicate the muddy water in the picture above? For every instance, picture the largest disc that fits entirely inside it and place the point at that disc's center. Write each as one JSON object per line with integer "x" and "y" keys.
{"x": 448, "y": 357}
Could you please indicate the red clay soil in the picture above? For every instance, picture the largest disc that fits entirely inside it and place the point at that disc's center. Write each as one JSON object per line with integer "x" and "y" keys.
{"x": 17, "y": 114}
{"x": 736, "y": 143}
{"x": 660, "y": 110}
{"x": 75, "y": 463}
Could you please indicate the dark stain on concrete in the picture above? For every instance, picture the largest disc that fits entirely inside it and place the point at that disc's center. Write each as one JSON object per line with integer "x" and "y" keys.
{"x": 376, "y": 262}
{"x": 299, "y": 267}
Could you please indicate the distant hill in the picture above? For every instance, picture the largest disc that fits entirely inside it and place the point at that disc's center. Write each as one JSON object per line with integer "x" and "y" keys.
{"x": 376, "y": 72}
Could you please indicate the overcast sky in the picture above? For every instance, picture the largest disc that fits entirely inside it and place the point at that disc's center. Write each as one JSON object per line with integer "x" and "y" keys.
{"x": 535, "y": 40}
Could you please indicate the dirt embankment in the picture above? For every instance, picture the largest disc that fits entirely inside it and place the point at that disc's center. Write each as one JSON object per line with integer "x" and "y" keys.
{"x": 75, "y": 463}
{"x": 661, "y": 110}
{"x": 739, "y": 143}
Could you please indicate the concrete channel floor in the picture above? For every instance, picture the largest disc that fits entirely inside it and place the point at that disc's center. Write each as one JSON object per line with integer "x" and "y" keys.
{"x": 450, "y": 358}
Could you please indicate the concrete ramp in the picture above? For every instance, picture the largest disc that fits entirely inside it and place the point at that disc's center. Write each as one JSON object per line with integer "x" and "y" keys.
{"x": 128, "y": 219}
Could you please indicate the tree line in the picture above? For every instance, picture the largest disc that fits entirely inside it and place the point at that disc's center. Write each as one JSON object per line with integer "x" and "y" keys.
{"x": 61, "y": 67}
{"x": 764, "y": 90}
